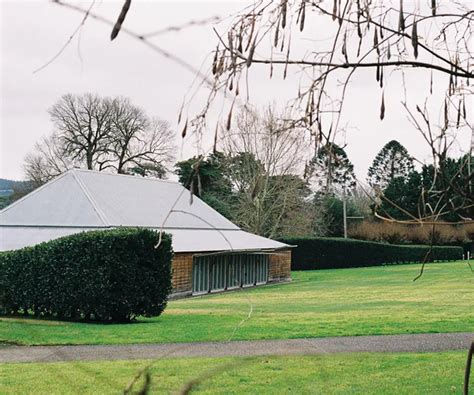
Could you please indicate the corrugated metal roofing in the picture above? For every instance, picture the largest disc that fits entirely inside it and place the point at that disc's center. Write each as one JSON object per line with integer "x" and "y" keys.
{"x": 81, "y": 200}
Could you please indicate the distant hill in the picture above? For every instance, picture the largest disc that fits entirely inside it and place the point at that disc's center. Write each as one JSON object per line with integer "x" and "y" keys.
{"x": 11, "y": 190}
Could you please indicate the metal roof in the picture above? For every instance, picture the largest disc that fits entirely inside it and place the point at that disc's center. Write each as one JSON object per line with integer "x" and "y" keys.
{"x": 81, "y": 200}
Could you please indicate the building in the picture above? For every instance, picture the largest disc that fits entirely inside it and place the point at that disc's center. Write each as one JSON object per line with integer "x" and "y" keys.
{"x": 211, "y": 253}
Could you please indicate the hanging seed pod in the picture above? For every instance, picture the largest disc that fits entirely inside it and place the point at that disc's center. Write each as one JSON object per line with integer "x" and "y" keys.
{"x": 377, "y": 72}
{"x": 389, "y": 52}
{"x": 191, "y": 191}
{"x": 185, "y": 129}
{"x": 302, "y": 16}
{"x": 239, "y": 46}
{"x": 334, "y": 10}
{"x": 229, "y": 117}
{"x": 344, "y": 47}
{"x": 414, "y": 39}
{"x": 382, "y": 107}
{"x": 433, "y": 7}
{"x": 381, "y": 32}
{"x": 359, "y": 46}
{"x": 431, "y": 83}
{"x": 180, "y": 112}
{"x": 251, "y": 35}
{"x": 458, "y": 120}
{"x": 401, "y": 20}
{"x": 277, "y": 31}
{"x": 446, "y": 114}
{"x": 251, "y": 52}
{"x": 283, "y": 13}
{"x": 237, "y": 89}
{"x": 214, "y": 62}
{"x": 381, "y": 76}
{"x": 376, "y": 42}
{"x": 199, "y": 184}
{"x": 216, "y": 132}
{"x": 464, "y": 107}
{"x": 451, "y": 85}
{"x": 231, "y": 84}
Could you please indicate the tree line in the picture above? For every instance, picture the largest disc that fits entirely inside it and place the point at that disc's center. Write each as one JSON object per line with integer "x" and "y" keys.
{"x": 260, "y": 175}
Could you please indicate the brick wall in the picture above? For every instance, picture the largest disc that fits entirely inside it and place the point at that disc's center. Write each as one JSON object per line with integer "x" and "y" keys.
{"x": 280, "y": 266}
{"x": 182, "y": 266}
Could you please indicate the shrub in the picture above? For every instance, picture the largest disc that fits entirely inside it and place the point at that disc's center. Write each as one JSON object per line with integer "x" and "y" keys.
{"x": 112, "y": 275}
{"x": 331, "y": 253}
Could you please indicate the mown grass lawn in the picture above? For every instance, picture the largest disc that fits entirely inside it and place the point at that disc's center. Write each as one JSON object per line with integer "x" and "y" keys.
{"x": 377, "y": 300}
{"x": 430, "y": 373}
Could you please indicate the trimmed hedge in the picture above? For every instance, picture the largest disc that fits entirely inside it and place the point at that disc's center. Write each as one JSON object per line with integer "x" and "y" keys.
{"x": 332, "y": 253}
{"x": 108, "y": 276}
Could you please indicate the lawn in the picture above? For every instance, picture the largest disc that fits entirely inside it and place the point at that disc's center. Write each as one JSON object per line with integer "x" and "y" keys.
{"x": 376, "y": 300}
{"x": 404, "y": 373}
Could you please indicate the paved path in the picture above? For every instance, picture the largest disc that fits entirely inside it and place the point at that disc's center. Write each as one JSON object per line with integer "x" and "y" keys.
{"x": 388, "y": 343}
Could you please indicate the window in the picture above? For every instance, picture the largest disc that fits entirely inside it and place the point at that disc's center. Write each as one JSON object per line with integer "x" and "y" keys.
{"x": 213, "y": 273}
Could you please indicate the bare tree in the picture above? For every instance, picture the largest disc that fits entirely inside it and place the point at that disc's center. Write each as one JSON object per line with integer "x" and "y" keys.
{"x": 83, "y": 126}
{"x": 264, "y": 171}
{"x": 101, "y": 134}
{"x": 137, "y": 140}
{"x": 46, "y": 161}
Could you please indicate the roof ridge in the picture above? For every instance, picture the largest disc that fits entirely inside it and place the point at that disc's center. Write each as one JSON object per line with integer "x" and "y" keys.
{"x": 123, "y": 175}
{"x": 89, "y": 197}
{"x": 33, "y": 192}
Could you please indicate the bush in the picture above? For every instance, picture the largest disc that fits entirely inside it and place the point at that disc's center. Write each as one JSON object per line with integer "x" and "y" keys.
{"x": 331, "y": 253}
{"x": 106, "y": 276}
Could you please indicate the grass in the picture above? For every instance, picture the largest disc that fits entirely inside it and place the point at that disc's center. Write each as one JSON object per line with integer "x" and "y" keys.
{"x": 376, "y": 300}
{"x": 404, "y": 373}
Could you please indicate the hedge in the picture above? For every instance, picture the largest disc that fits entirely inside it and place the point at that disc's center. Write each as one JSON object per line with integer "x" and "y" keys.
{"x": 331, "y": 253}
{"x": 107, "y": 276}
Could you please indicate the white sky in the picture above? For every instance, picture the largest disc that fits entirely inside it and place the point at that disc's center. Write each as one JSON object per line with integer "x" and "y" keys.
{"x": 33, "y": 31}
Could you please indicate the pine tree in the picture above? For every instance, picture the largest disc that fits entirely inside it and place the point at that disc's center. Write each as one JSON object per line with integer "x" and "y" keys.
{"x": 331, "y": 171}
{"x": 392, "y": 161}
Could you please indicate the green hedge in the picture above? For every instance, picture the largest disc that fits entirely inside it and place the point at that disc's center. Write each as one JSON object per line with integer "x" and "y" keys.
{"x": 107, "y": 276}
{"x": 331, "y": 253}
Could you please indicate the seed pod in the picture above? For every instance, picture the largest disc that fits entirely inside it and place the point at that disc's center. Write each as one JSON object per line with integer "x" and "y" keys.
{"x": 251, "y": 52}
{"x": 214, "y": 148}
{"x": 185, "y": 129}
{"x": 458, "y": 121}
{"x": 401, "y": 20}
{"x": 377, "y": 72}
{"x": 275, "y": 41}
{"x": 180, "y": 112}
{"x": 446, "y": 115}
{"x": 334, "y": 10}
{"x": 283, "y": 13}
{"x": 381, "y": 76}
{"x": 376, "y": 42}
{"x": 231, "y": 84}
{"x": 302, "y": 16}
{"x": 214, "y": 62}
{"x": 382, "y": 107}
{"x": 414, "y": 39}
{"x": 389, "y": 52}
{"x": 229, "y": 117}
{"x": 464, "y": 107}
{"x": 433, "y": 7}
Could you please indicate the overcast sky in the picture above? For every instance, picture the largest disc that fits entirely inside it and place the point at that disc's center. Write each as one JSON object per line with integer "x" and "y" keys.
{"x": 33, "y": 32}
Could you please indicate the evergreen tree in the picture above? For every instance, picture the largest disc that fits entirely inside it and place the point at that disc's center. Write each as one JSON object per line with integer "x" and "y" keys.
{"x": 331, "y": 171}
{"x": 392, "y": 161}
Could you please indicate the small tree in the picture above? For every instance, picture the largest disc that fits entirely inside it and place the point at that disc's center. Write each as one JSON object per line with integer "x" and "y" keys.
{"x": 392, "y": 161}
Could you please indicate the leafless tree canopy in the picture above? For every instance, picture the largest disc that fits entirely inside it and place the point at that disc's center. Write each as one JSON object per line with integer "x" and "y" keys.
{"x": 266, "y": 160}
{"x": 101, "y": 134}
